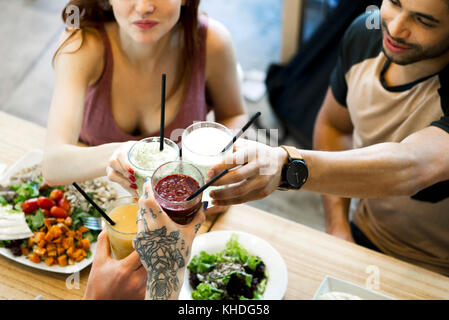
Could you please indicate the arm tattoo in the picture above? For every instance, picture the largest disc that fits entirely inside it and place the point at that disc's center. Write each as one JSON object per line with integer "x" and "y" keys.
{"x": 153, "y": 214}
{"x": 161, "y": 255}
{"x": 197, "y": 227}
{"x": 141, "y": 214}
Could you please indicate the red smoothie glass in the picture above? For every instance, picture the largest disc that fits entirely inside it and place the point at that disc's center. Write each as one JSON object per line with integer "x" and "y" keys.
{"x": 172, "y": 184}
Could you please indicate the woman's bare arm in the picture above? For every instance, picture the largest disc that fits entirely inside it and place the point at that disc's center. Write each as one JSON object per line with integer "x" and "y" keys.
{"x": 64, "y": 161}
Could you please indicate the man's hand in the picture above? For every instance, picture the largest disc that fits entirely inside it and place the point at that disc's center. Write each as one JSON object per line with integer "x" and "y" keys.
{"x": 257, "y": 173}
{"x": 111, "y": 279}
{"x": 163, "y": 246}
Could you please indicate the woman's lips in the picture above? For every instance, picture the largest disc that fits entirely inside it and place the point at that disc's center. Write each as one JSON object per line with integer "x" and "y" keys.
{"x": 145, "y": 24}
{"x": 394, "y": 46}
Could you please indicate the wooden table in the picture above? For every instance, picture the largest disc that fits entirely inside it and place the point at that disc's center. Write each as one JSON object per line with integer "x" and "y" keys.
{"x": 17, "y": 281}
{"x": 310, "y": 255}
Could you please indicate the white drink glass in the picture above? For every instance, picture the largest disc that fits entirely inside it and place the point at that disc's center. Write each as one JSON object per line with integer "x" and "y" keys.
{"x": 145, "y": 157}
{"x": 202, "y": 145}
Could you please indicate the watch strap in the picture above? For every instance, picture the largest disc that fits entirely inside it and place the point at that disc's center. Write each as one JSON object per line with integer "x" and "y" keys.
{"x": 293, "y": 153}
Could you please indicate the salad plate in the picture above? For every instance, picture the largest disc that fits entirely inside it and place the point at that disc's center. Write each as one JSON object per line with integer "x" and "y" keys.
{"x": 30, "y": 159}
{"x": 215, "y": 242}
{"x": 69, "y": 269}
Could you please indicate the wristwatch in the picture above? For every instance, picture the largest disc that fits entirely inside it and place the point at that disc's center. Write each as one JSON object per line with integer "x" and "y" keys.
{"x": 295, "y": 171}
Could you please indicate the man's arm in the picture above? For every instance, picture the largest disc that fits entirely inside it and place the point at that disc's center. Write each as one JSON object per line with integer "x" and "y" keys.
{"x": 333, "y": 132}
{"x": 380, "y": 171}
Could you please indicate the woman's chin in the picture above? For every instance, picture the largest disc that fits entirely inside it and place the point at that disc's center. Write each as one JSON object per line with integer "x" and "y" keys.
{"x": 143, "y": 39}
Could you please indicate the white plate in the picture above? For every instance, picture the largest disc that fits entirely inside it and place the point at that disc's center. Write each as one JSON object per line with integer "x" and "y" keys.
{"x": 30, "y": 159}
{"x": 275, "y": 266}
{"x": 331, "y": 284}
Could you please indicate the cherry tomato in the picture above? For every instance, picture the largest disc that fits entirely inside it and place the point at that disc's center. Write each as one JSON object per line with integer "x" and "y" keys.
{"x": 46, "y": 213}
{"x": 30, "y": 205}
{"x": 64, "y": 204}
{"x": 59, "y": 213}
{"x": 56, "y": 195}
{"x": 45, "y": 203}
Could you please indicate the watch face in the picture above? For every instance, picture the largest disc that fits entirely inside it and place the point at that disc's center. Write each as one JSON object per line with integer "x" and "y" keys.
{"x": 297, "y": 173}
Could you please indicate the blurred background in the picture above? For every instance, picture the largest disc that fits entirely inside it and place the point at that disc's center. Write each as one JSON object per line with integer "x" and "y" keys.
{"x": 276, "y": 42}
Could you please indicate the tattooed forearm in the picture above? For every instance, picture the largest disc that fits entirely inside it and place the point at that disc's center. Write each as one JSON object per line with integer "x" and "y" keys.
{"x": 161, "y": 256}
{"x": 153, "y": 214}
{"x": 197, "y": 227}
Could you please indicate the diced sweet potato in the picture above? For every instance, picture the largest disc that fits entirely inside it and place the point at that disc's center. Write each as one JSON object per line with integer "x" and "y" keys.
{"x": 56, "y": 230}
{"x": 50, "y": 247}
{"x": 30, "y": 242}
{"x": 52, "y": 253}
{"x": 70, "y": 251}
{"x": 77, "y": 254}
{"x": 40, "y": 251}
{"x": 85, "y": 244}
{"x": 63, "y": 227}
{"x": 67, "y": 242}
{"x": 41, "y": 243}
{"x": 34, "y": 257}
{"x": 57, "y": 240}
{"x": 25, "y": 251}
{"x": 49, "y": 261}
{"x": 70, "y": 233}
{"x": 48, "y": 222}
{"x": 68, "y": 221}
{"x": 62, "y": 260}
{"x": 82, "y": 229}
{"x": 59, "y": 220}
{"x": 60, "y": 250}
{"x": 38, "y": 236}
{"x": 80, "y": 258}
{"x": 49, "y": 236}
{"x": 78, "y": 235}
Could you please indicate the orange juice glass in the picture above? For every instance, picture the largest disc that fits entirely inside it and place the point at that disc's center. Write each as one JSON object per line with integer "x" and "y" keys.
{"x": 123, "y": 212}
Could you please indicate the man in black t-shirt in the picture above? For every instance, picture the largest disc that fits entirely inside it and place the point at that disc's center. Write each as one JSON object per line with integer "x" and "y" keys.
{"x": 388, "y": 101}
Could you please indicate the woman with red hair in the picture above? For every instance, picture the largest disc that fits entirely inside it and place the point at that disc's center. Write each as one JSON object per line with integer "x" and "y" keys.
{"x": 107, "y": 95}
{"x": 108, "y": 82}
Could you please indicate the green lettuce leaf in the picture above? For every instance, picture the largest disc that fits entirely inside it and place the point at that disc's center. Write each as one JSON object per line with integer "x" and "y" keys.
{"x": 203, "y": 262}
{"x": 35, "y": 221}
{"x": 25, "y": 191}
{"x": 205, "y": 291}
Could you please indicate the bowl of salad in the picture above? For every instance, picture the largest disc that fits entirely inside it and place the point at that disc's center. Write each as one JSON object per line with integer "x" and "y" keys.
{"x": 234, "y": 265}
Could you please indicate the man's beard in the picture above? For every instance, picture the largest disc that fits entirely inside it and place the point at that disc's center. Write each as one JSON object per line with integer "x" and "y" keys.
{"x": 416, "y": 52}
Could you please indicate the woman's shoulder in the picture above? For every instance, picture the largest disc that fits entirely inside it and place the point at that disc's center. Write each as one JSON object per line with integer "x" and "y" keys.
{"x": 81, "y": 49}
{"x": 219, "y": 39}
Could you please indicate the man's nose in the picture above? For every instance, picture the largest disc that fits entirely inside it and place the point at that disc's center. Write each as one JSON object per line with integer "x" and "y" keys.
{"x": 398, "y": 27}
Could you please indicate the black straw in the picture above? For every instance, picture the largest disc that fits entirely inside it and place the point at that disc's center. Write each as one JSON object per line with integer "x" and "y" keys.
{"x": 164, "y": 80}
{"x": 93, "y": 203}
{"x": 239, "y": 134}
{"x": 207, "y": 185}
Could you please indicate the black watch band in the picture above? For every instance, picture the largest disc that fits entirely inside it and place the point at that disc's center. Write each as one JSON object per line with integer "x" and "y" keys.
{"x": 294, "y": 172}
